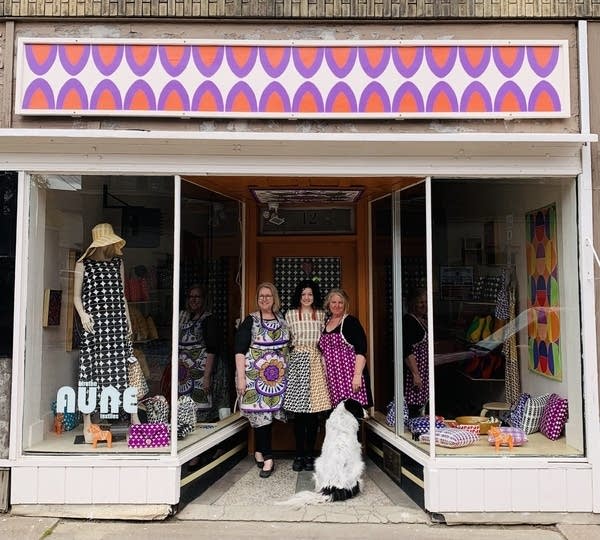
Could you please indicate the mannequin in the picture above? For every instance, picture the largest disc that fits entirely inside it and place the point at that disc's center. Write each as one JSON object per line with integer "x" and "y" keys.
{"x": 99, "y": 299}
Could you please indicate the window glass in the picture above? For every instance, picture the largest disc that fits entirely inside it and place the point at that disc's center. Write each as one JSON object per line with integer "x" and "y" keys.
{"x": 99, "y": 314}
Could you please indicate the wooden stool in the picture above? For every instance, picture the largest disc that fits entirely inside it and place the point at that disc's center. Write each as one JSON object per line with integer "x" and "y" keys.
{"x": 494, "y": 406}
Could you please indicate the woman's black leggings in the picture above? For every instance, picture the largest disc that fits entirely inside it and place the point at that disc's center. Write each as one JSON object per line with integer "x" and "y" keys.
{"x": 305, "y": 430}
{"x": 262, "y": 436}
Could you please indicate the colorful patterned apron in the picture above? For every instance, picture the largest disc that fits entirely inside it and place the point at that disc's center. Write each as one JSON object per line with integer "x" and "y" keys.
{"x": 266, "y": 366}
{"x": 412, "y": 394}
{"x": 340, "y": 359}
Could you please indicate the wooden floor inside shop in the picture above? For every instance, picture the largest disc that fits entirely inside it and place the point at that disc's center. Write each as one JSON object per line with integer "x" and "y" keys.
{"x": 70, "y": 442}
{"x": 536, "y": 446}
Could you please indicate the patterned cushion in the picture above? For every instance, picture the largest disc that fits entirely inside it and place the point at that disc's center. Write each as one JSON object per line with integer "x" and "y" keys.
{"x": 515, "y": 418}
{"x": 473, "y": 428}
{"x": 518, "y": 435}
{"x": 532, "y": 415}
{"x": 420, "y": 424}
{"x": 554, "y": 417}
{"x": 451, "y": 437}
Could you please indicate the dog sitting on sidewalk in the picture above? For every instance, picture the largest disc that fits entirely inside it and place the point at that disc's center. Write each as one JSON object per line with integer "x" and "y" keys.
{"x": 339, "y": 468}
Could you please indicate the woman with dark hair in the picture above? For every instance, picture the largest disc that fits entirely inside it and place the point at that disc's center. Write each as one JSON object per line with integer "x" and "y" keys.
{"x": 415, "y": 351}
{"x": 261, "y": 356}
{"x": 306, "y": 395}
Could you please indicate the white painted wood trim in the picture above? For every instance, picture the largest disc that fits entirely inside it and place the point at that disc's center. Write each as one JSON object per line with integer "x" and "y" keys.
{"x": 175, "y": 312}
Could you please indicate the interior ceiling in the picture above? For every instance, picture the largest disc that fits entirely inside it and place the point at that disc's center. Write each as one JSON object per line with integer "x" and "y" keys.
{"x": 276, "y": 189}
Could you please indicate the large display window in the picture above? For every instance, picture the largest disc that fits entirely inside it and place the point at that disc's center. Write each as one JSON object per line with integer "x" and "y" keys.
{"x": 504, "y": 300}
{"x": 102, "y": 273}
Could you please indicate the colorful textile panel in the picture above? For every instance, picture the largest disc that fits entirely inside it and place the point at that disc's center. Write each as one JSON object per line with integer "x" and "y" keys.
{"x": 543, "y": 298}
{"x": 344, "y": 79}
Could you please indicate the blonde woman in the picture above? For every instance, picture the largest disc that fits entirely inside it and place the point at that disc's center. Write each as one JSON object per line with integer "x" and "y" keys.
{"x": 261, "y": 355}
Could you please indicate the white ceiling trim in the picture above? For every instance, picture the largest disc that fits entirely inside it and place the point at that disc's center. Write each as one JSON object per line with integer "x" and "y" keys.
{"x": 284, "y": 154}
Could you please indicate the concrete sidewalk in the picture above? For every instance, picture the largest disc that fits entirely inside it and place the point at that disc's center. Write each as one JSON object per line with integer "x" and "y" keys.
{"x": 26, "y": 528}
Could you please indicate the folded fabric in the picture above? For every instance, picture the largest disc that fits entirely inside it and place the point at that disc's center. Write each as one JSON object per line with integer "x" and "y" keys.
{"x": 554, "y": 417}
{"x": 451, "y": 437}
{"x": 473, "y": 428}
{"x": 515, "y": 418}
{"x": 148, "y": 435}
{"x": 518, "y": 436}
{"x": 420, "y": 424}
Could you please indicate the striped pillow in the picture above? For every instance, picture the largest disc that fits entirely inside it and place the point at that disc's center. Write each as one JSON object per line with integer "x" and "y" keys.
{"x": 532, "y": 415}
{"x": 516, "y": 414}
{"x": 451, "y": 437}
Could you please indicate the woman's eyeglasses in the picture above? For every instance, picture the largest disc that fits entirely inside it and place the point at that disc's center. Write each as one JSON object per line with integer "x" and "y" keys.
{"x": 264, "y": 296}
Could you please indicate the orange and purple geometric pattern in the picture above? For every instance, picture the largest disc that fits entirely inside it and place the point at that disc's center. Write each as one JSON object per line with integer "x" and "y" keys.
{"x": 543, "y": 301}
{"x": 300, "y": 80}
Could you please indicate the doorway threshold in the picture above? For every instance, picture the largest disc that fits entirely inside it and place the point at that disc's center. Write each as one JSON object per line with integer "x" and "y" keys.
{"x": 241, "y": 495}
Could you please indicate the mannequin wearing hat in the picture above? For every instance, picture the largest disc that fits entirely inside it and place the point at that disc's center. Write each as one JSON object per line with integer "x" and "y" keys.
{"x": 99, "y": 299}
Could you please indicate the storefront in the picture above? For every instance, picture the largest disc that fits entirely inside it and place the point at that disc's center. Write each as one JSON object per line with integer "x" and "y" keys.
{"x": 471, "y": 179}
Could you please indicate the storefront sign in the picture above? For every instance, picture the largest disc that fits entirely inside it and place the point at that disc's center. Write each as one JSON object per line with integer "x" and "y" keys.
{"x": 87, "y": 400}
{"x": 299, "y": 79}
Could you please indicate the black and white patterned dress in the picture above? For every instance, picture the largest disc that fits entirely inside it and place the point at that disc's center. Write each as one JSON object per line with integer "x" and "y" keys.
{"x": 104, "y": 353}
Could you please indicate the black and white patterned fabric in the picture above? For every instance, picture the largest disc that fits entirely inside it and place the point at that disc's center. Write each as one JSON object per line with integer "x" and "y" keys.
{"x": 103, "y": 354}
{"x": 289, "y": 271}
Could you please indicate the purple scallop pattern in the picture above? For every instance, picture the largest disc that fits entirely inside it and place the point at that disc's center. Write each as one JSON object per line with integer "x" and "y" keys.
{"x": 43, "y": 67}
{"x": 303, "y": 90}
{"x": 73, "y": 68}
{"x": 140, "y": 86}
{"x": 371, "y": 89}
{"x": 542, "y": 71}
{"x": 146, "y": 66}
{"x": 474, "y": 71}
{"x": 377, "y": 70}
{"x": 275, "y": 71}
{"x": 38, "y": 85}
{"x": 336, "y": 69}
{"x": 111, "y": 67}
{"x": 506, "y": 88}
{"x": 179, "y": 66}
{"x": 72, "y": 85}
{"x": 106, "y": 86}
{"x": 208, "y": 70}
{"x": 341, "y": 89}
{"x": 441, "y": 88}
{"x": 444, "y": 69}
{"x": 243, "y": 70}
{"x": 408, "y": 88}
{"x": 544, "y": 87}
{"x": 274, "y": 88}
{"x": 410, "y": 70}
{"x": 505, "y": 69}
{"x": 173, "y": 87}
{"x": 475, "y": 88}
{"x": 241, "y": 88}
{"x": 304, "y": 70}
{"x": 210, "y": 88}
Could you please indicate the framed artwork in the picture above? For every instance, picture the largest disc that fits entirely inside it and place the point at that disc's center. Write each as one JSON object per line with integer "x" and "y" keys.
{"x": 52, "y": 302}
{"x": 306, "y": 196}
{"x": 543, "y": 298}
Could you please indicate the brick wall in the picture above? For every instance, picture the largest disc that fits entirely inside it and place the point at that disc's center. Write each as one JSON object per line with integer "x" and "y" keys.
{"x": 305, "y": 9}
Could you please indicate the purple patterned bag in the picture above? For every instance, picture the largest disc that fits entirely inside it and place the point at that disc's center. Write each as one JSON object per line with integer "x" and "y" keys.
{"x": 148, "y": 435}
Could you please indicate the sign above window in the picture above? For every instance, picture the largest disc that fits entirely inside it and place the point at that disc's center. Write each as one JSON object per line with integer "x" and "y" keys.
{"x": 299, "y": 79}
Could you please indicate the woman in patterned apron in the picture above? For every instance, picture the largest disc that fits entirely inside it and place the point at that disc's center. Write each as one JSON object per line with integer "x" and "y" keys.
{"x": 261, "y": 355}
{"x": 307, "y": 394}
{"x": 416, "y": 362}
{"x": 99, "y": 299}
{"x": 344, "y": 346}
{"x": 198, "y": 346}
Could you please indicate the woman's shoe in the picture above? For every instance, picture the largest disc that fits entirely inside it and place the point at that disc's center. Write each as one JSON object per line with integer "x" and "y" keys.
{"x": 259, "y": 464}
{"x": 309, "y": 464}
{"x": 298, "y": 464}
{"x": 264, "y": 473}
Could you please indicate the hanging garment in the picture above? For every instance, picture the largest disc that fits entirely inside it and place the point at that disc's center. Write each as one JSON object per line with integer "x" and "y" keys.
{"x": 418, "y": 395}
{"x": 104, "y": 352}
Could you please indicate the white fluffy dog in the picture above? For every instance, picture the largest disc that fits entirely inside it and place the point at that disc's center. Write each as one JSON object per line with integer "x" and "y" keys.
{"x": 339, "y": 468}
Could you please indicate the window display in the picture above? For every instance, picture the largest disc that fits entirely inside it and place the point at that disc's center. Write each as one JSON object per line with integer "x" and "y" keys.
{"x": 507, "y": 350}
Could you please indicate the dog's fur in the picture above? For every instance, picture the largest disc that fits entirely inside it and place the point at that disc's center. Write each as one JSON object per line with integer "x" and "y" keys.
{"x": 339, "y": 468}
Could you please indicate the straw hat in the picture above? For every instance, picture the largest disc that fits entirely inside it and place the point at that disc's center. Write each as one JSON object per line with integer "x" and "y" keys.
{"x": 103, "y": 235}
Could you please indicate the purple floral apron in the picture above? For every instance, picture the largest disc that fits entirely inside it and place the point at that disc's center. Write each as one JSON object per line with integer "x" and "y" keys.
{"x": 340, "y": 358}
{"x": 412, "y": 394}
